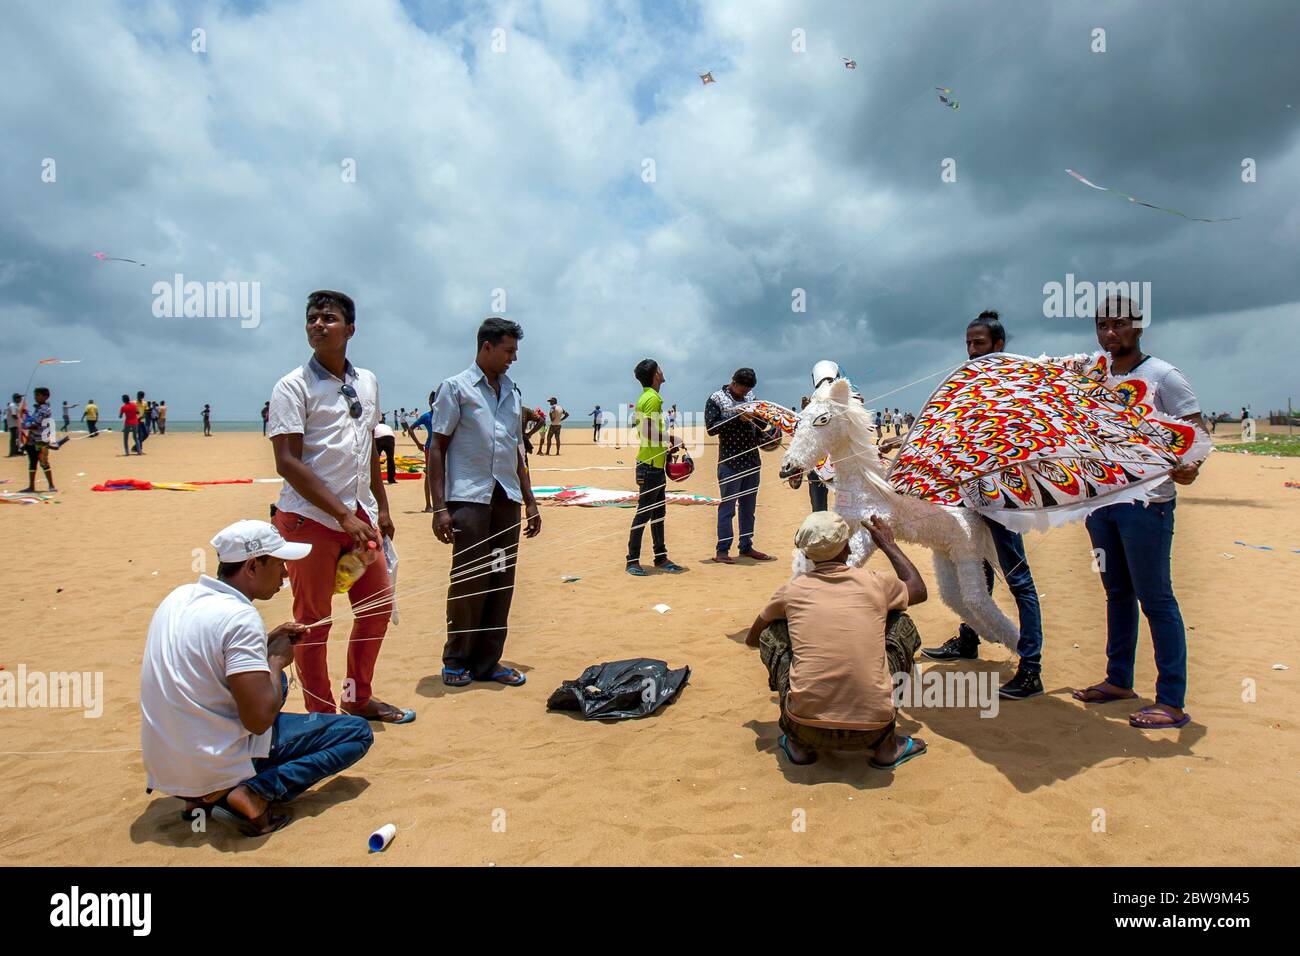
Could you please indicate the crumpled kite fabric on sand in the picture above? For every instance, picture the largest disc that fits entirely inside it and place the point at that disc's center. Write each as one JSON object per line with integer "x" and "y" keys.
{"x": 607, "y": 498}
{"x": 1034, "y": 443}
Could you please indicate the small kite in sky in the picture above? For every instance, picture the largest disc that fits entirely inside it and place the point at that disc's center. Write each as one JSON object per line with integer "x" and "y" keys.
{"x": 104, "y": 257}
{"x": 707, "y": 78}
{"x": 58, "y": 361}
{"x": 849, "y": 64}
{"x": 1132, "y": 199}
{"x": 946, "y": 100}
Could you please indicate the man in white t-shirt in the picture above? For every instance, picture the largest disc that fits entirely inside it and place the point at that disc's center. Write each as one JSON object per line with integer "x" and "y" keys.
{"x": 557, "y": 414}
{"x": 386, "y": 446}
{"x": 212, "y": 686}
{"x": 12, "y": 412}
{"x": 322, "y": 423}
{"x": 1135, "y": 539}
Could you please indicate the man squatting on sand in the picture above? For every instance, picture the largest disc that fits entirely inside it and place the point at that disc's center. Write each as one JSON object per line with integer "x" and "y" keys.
{"x": 833, "y": 638}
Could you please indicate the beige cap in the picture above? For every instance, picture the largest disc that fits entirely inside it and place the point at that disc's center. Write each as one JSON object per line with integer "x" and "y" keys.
{"x": 822, "y": 535}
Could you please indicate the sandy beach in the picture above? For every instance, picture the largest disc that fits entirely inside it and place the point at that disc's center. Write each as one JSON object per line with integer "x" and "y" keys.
{"x": 700, "y": 782}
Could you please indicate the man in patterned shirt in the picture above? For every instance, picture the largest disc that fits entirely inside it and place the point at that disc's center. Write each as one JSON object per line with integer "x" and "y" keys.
{"x": 740, "y": 434}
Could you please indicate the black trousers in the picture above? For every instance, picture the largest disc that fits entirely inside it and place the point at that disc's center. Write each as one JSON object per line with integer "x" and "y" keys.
{"x": 386, "y": 446}
{"x": 818, "y": 493}
{"x": 482, "y": 582}
{"x": 13, "y": 441}
{"x": 651, "y": 507}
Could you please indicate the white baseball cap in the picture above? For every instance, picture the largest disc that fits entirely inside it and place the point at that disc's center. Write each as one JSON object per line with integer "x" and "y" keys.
{"x": 253, "y": 539}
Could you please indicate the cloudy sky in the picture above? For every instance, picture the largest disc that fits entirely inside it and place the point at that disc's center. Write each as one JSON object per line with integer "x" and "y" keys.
{"x": 507, "y": 146}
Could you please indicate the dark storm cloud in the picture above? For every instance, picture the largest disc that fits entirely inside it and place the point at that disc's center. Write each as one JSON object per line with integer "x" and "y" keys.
{"x": 522, "y": 170}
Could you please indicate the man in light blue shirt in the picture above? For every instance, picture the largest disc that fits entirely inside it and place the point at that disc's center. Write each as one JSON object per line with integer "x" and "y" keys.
{"x": 478, "y": 480}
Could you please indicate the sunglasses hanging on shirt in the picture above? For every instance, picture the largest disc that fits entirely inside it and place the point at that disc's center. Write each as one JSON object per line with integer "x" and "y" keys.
{"x": 354, "y": 404}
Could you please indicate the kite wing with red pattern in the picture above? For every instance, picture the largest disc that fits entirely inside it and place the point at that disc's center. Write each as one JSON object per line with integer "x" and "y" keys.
{"x": 1033, "y": 443}
{"x": 783, "y": 418}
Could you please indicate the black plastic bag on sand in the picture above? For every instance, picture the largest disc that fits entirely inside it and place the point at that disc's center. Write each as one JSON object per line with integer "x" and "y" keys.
{"x": 618, "y": 689}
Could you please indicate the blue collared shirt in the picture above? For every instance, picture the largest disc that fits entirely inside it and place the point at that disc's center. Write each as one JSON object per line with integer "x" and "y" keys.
{"x": 485, "y": 434}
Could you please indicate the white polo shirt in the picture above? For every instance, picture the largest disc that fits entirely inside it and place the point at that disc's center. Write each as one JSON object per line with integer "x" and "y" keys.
{"x": 190, "y": 734}
{"x": 336, "y": 446}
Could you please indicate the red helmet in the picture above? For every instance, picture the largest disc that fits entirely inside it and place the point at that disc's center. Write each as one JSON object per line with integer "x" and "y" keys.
{"x": 679, "y": 469}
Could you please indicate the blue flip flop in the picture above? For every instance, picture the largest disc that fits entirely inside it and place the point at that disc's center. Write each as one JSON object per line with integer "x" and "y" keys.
{"x": 1141, "y": 724}
{"x": 637, "y": 571}
{"x": 908, "y": 754}
{"x": 501, "y": 672}
{"x": 456, "y": 676}
{"x": 407, "y": 717}
{"x": 784, "y": 744}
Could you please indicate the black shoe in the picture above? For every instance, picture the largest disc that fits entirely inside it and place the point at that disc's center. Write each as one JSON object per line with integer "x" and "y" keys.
{"x": 1024, "y": 684}
{"x": 953, "y": 649}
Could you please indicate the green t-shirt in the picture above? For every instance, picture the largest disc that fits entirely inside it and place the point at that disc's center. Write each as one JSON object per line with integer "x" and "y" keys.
{"x": 650, "y": 407}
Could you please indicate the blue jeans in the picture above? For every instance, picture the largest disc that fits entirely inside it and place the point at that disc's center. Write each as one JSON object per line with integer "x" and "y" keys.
{"x": 1015, "y": 569}
{"x": 738, "y": 486}
{"x": 305, "y": 749}
{"x": 1135, "y": 543}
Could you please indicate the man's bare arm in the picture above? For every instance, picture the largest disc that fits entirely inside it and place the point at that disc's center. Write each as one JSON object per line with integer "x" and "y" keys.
{"x": 883, "y": 536}
{"x": 290, "y": 466}
{"x": 437, "y": 472}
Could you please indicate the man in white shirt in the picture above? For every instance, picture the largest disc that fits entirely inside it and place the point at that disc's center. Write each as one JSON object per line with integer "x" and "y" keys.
{"x": 11, "y": 422}
{"x": 555, "y": 416}
{"x": 212, "y": 686}
{"x": 322, "y": 422}
{"x": 1136, "y": 538}
{"x": 386, "y": 445}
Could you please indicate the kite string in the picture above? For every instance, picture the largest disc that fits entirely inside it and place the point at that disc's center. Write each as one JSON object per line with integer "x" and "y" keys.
{"x": 465, "y": 573}
{"x": 367, "y": 608}
{"x": 382, "y": 596}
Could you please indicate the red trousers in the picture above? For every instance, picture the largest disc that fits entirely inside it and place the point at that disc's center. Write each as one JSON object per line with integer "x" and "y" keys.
{"x": 312, "y": 581}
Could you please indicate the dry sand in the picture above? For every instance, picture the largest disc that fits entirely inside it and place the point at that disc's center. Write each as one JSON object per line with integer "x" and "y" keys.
{"x": 699, "y": 782}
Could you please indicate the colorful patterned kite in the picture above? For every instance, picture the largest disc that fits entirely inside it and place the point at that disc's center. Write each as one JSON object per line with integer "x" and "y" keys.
{"x": 946, "y": 100}
{"x": 1139, "y": 202}
{"x": 778, "y": 415}
{"x": 1034, "y": 443}
{"x": 586, "y": 497}
{"x": 104, "y": 257}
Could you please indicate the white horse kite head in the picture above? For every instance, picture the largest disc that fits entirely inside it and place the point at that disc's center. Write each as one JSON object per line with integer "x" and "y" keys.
{"x": 835, "y": 427}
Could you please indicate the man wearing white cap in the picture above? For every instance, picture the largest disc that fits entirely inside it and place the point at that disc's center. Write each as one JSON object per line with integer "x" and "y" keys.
{"x": 844, "y": 637}
{"x": 212, "y": 686}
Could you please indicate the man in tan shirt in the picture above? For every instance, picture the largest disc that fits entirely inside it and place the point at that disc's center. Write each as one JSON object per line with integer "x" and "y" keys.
{"x": 832, "y": 640}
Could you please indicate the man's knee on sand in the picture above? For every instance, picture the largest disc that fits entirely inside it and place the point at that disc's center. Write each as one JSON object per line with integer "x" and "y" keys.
{"x": 902, "y": 641}
{"x": 358, "y": 732}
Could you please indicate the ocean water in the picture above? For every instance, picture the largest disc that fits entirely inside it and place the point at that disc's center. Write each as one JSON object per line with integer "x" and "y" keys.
{"x": 183, "y": 426}
{"x": 253, "y": 426}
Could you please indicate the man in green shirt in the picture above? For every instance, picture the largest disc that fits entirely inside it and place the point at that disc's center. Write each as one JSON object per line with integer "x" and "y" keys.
{"x": 650, "y": 474}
